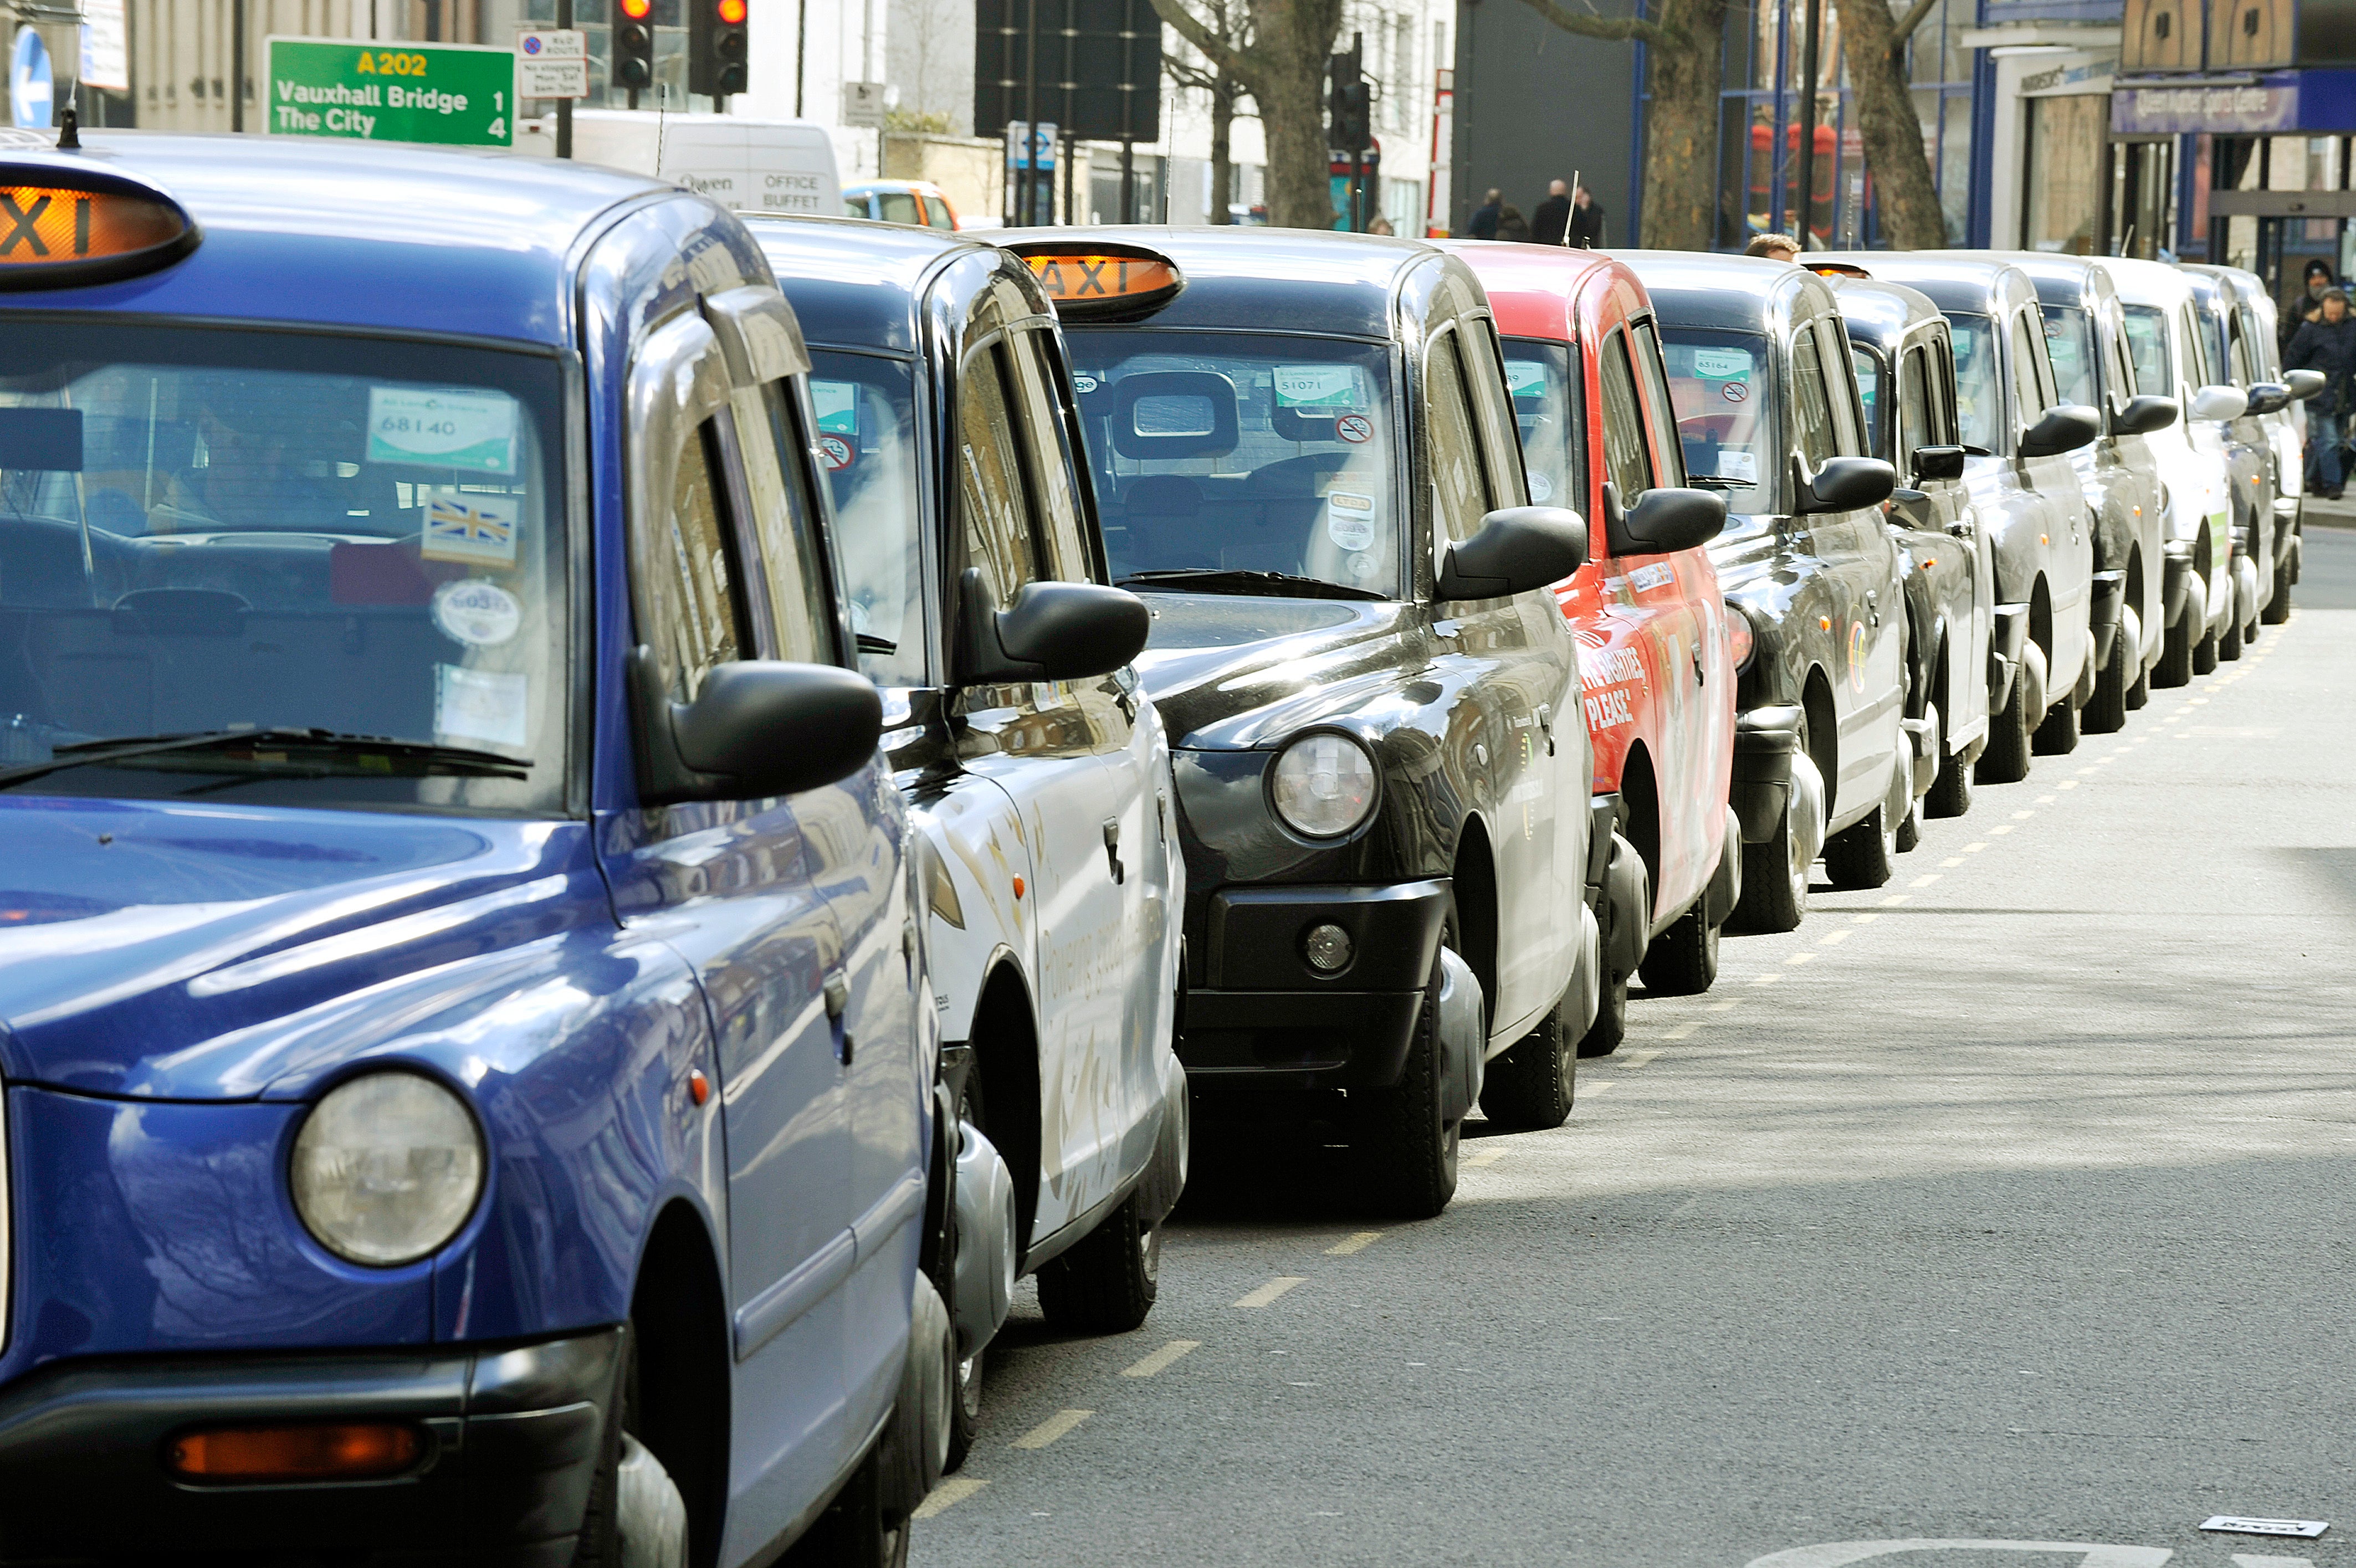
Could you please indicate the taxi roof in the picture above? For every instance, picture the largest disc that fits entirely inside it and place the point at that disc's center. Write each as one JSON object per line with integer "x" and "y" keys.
{"x": 1297, "y": 280}
{"x": 1534, "y": 289}
{"x": 855, "y": 282}
{"x": 1881, "y": 313}
{"x": 1699, "y": 288}
{"x": 1970, "y": 281}
{"x": 476, "y": 243}
{"x": 2064, "y": 280}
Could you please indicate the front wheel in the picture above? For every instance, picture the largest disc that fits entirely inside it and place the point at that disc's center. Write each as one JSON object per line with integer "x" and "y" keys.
{"x": 2204, "y": 653}
{"x": 2005, "y": 759}
{"x": 2229, "y": 646}
{"x": 635, "y": 1517}
{"x": 2107, "y": 711}
{"x": 1107, "y": 1283}
{"x": 1683, "y": 960}
{"x": 1533, "y": 1085}
{"x": 1611, "y": 1026}
{"x": 2174, "y": 666}
{"x": 2058, "y": 736}
{"x": 2278, "y": 610}
{"x": 1858, "y": 857}
{"x": 1406, "y": 1151}
{"x": 856, "y": 1530}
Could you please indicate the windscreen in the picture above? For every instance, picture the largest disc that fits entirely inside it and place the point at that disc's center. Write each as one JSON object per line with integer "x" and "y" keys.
{"x": 2070, "y": 342}
{"x": 1546, "y": 408}
{"x": 2147, "y": 346}
{"x": 210, "y": 531}
{"x": 1979, "y": 396}
{"x": 1720, "y": 386}
{"x": 867, "y": 436}
{"x": 1243, "y": 452}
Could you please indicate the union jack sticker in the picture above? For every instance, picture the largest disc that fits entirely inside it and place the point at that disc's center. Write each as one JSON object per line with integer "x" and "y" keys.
{"x": 474, "y": 529}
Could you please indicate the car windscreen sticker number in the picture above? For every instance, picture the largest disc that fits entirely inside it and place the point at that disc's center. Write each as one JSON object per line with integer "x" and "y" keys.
{"x": 443, "y": 429}
{"x": 1354, "y": 428}
{"x": 1350, "y": 520}
{"x": 480, "y": 614}
{"x": 481, "y": 705}
{"x": 1541, "y": 487}
{"x": 837, "y": 404}
{"x": 1318, "y": 386}
{"x": 1718, "y": 364}
{"x": 1526, "y": 377}
{"x": 479, "y": 530}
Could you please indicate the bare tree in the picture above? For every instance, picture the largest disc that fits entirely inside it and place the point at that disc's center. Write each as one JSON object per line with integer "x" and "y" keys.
{"x": 1223, "y": 91}
{"x": 1283, "y": 67}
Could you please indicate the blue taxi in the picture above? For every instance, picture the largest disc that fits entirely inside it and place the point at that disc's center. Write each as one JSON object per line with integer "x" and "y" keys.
{"x": 465, "y": 1091}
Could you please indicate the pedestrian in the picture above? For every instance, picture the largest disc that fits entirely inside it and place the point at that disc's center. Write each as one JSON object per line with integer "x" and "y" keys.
{"x": 2327, "y": 343}
{"x": 1553, "y": 215}
{"x": 1484, "y": 217}
{"x": 1774, "y": 248}
{"x": 2306, "y": 304}
{"x": 1381, "y": 225}
{"x": 1512, "y": 225}
{"x": 1586, "y": 220}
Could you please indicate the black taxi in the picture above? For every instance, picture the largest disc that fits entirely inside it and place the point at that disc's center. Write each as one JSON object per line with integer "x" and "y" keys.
{"x": 1768, "y": 413}
{"x": 1305, "y": 457}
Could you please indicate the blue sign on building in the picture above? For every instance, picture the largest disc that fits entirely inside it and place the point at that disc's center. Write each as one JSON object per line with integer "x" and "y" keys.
{"x": 31, "y": 95}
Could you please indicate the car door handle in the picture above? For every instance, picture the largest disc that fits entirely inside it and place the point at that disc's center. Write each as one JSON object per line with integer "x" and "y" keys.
{"x": 1962, "y": 529}
{"x": 1873, "y": 607}
{"x": 1112, "y": 852}
{"x": 1546, "y": 725}
{"x": 837, "y": 991}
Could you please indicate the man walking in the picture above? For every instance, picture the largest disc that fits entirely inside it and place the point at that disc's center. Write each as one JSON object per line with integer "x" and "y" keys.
{"x": 1552, "y": 216}
{"x": 2327, "y": 343}
{"x": 1585, "y": 221}
{"x": 1483, "y": 225}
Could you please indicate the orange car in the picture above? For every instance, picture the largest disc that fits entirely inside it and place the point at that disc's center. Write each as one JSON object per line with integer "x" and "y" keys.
{"x": 918, "y": 202}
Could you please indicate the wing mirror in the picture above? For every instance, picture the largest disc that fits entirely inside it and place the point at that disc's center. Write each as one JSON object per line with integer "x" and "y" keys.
{"x": 2065, "y": 429}
{"x": 757, "y": 727}
{"x": 1517, "y": 549}
{"x": 2303, "y": 384}
{"x": 2219, "y": 403}
{"x": 1913, "y": 510}
{"x": 1847, "y": 485}
{"x": 2268, "y": 397}
{"x": 1049, "y": 631}
{"x": 1938, "y": 462}
{"x": 1664, "y": 520}
{"x": 2143, "y": 415}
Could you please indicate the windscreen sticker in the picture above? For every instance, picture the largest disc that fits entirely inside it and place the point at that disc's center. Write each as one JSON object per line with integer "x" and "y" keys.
{"x": 1719, "y": 363}
{"x": 1354, "y": 428}
{"x": 1526, "y": 377}
{"x": 1541, "y": 487}
{"x": 1083, "y": 383}
{"x": 1735, "y": 391}
{"x": 1734, "y": 464}
{"x": 475, "y": 530}
{"x": 1350, "y": 520}
{"x": 481, "y": 705}
{"x": 839, "y": 452}
{"x": 443, "y": 429}
{"x": 1318, "y": 386}
{"x": 480, "y": 614}
{"x": 837, "y": 404}
{"x": 1655, "y": 575}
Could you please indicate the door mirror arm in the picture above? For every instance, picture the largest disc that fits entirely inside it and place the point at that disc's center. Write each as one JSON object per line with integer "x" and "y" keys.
{"x": 757, "y": 727}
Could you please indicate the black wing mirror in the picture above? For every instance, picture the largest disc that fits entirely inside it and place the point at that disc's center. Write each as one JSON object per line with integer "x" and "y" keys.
{"x": 2304, "y": 384}
{"x": 757, "y": 727}
{"x": 1938, "y": 462}
{"x": 1847, "y": 485}
{"x": 1050, "y": 630}
{"x": 1913, "y": 510}
{"x": 1517, "y": 549}
{"x": 2268, "y": 397}
{"x": 2143, "y": 415}
{"x": 1664, "y": 520}
{"x": 2065, "y": 429}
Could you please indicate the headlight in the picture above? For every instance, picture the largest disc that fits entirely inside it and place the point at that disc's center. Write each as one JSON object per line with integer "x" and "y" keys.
{"x": 1324, "y": 785}
{"x": 1742, "y": 640}
{"x": 386, "y": 1167}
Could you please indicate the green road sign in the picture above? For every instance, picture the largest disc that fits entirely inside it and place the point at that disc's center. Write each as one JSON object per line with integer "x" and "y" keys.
{"x": 454, "y": 94}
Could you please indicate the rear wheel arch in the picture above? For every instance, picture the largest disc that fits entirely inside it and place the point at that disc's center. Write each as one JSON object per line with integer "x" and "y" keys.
{"x": 1640, "y": 793}
{"x": 1475, "y": 882}
{"x": 2040, "y": 618}
{"x": 676, "y": 1399}
{"x": 1824, "y": 732}
{"x": 1005, "y": 1041}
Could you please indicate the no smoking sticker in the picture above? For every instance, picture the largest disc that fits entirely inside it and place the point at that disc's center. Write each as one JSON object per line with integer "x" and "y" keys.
{"x": 1735, "y": 391}
{"x": 839, "y": 452}
{"x": 1354, "y": 428}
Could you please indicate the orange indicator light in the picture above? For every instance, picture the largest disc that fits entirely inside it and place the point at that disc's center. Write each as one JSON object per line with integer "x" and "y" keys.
{"x": 1018, "y": 887}
{"x": 322, "y": 1451}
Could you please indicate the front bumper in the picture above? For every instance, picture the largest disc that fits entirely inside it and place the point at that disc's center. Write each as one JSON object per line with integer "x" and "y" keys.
{"x": 512, "y": 1440}
{"x": 1764, "y": 740}
{"x": 1263, "y": 1019}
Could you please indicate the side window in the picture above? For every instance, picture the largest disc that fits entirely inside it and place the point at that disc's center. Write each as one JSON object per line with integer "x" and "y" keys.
{"x": 997, "y": 506}
{"x": 1483, "y": 376}
{"x": 1872, "y": 389}
{"x": 1818, "y": 437}
{"x": 1914, "y": 410}
{"x": 2028, "y": 390}
{"x": 692, "y": 601}
{"x": 1459, "y": 482}
{"x": 1625, "y": 460}
{"x": 2245, "y": 368}
{"x": 1049, "y": 452}
{"x": 1840, "y": 388}
{"x": 1942, "y": 365}
{"x": 1660, "y": 414}
{"x": 785, "y": 525}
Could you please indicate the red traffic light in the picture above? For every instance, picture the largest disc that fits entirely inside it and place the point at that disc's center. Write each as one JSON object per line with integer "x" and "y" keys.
{"x": 733, "y": 12}
{"x": 636, "y": 10}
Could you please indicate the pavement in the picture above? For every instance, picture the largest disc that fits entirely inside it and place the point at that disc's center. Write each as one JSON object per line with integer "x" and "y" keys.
{"x": 1995, "y": 1216}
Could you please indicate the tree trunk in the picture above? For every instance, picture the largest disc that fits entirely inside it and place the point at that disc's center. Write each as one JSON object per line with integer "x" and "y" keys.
{"x": 1223, "y": 164}
{"x": 1284, "y": 69}
{"x": 1905, "y": 193}
{"x": 1681, "y": 126}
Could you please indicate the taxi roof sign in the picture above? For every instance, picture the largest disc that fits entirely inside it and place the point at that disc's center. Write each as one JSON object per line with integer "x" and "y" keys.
{"x": 1101, "y": 279}
{"x": 64, "y": 223}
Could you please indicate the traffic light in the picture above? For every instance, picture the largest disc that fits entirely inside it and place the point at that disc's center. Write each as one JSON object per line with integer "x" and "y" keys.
{"x": 1352, "y": 105}
{"x": 634, "y": 44}
{"x": 715, "y": 46}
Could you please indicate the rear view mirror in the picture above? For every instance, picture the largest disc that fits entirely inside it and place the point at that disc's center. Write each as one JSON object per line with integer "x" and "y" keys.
{"x": 1517, "y": 549}
{"x": 2268, "y": 397}
{"x": 2065, "y": 429}
{"x": 757, "y": 727}
{"x": 2304, "y": 384}
{"x": 1913, "y": 510}
{"x": 2219, "y": 403}
{"x": 2143, "y": 415}
{"x": 1664, "y": 520}
{"x": 1938, "y": 462}
{"x": 1847, "y": 485}
{"x": 1050, "y": 630}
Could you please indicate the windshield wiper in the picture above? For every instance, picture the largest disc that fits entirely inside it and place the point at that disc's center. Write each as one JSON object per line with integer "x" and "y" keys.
{"x": 1719, "y": 482}
{"x": 1228, "y": 580}
{"x": 420, "y": 756}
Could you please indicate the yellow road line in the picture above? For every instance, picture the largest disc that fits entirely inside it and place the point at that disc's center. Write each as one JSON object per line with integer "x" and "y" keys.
{"x": 1272, "y": 1289}
{"x": 1358, "y": 1241}
{"x": 1161, "y": 1358}
{"x": 947, "y": 1495}
{"x": 1055, "y": 1427}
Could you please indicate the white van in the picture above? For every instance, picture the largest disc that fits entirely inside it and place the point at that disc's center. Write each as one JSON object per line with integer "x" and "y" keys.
{"x": 776, "y": 166}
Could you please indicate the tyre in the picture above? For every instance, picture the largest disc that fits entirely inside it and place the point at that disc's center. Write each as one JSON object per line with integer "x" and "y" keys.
{"x": 1611, "y": 1026}
{"x": 2058, "y": 736}
{"x": 854, "y": 1531}
{"x": 1532, "y": 1085}
{"x": 2204, "y": 654}
{"x": 2005, "y": 760}
{"x": 1910, "y": 832}
{"x": 965, "y": 1402}
{"x": 1106, "y": 1284}
{"x": 2106, "y": 711}
{"x": 1858, "y": 856}
{"x": 1683, "y": 960}
{"x": 1774, "y": 883}
{"x": 2278, "y": 610}
{"x": 1407, "y": 1154}
{"x": 2174, "y": 666}
{"x": 2139, "y": 691}
{"x": 2229, "y": 646}
{"x": 635, "y": 1517}
{"x": 1950, "y": 793}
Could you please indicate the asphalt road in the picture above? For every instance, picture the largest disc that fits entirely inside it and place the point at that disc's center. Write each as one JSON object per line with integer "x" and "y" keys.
{"x": 2011, "y": 1203}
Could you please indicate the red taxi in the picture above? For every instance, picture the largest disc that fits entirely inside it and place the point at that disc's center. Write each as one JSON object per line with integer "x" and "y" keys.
{"x": 1590, "y": 393}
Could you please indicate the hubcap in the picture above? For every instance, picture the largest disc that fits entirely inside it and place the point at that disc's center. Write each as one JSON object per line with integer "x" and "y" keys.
{"x": 1148, "y": 1254}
